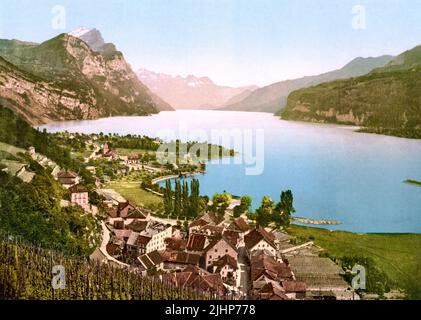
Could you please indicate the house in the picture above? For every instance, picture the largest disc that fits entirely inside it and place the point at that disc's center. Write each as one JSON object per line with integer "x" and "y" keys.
{"x": 196, "y": 243}
{"x": 158, "y": 232}
{"x": 123, "y": 209}
{"x": 234, "y": 237}
{"x": 178, "y": 260}
{"x": 260, "y": 239}
{"x": 210, "y": 230}
{"x": 32, "y": 153}
{"x": 79, "y": 195}
{"x": 195, "y": 279}
{"x": 132, "y": 159}
{"x": 150, "y": 261}
{"x": 265, "y": 269}
{"x": 239, "y": 225}
{"x": 207, "y": 219}
{"x": 137, "y": 225}
{"x": 175, "y": 244}
{"x": 118, "y": 224}
{"x": 295, "y": 289}
{"x": 227, "y": 268}
{"x": 108, "y": 153}
{"x": 138, "y": 213}
{"x": 68, "y": 178}
{"x": 271, "y": 291}
{"x": 122, "y": 235}
{"x": 136, "y": 244}
{"x": 216, "y": 249}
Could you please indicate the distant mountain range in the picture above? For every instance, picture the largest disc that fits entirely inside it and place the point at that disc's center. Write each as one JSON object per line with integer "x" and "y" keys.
{"x": 273, "y": 98}
{"x": 387, "y": 100}
{"x": 190, "y": 92}
{"x": 72, "y": 76}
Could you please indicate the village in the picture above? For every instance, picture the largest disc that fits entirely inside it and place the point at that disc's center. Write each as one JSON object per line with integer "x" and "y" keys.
{"x": 225, "y": 256}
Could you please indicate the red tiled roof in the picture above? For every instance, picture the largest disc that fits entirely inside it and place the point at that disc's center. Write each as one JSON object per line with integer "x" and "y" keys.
{"x": 294, "y": 286}
{"x": 225, "y": 260}
{"x": 240, "y": 224}
{"x": 135, "y": 213}
{"x": 121, "y": 234}
{"x": 67, "y": 174}
{"x": 78, "y": 189}
{"x": 216, "y": 240}
{"x": 112, "y": 248}
{"x": 138, "y": 225}
{"x": 175, "y": 243}
{"x": 255, "y": 236}
{"x": 232, "y": 236}
{"x": 180, "y": 257}
{"x": 214, "y": 230}
{"x": 69, "y": 181}
{"x": 265, "y": 265}
{"x": 123, "y": 205}
{"x": 196, "y": 242}
{"x": 270, "y": 291}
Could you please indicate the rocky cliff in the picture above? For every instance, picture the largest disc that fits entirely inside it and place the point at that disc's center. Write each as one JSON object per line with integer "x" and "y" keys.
{"x": 64, "y": 79}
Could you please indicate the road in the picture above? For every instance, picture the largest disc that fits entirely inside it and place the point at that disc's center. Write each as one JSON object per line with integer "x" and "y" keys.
{"x": 243, "y": 282}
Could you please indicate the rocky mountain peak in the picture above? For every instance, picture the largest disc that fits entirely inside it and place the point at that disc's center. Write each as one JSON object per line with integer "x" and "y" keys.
{"x": 94, "y": 39}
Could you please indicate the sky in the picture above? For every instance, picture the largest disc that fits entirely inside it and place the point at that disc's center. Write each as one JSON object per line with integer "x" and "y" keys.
{"x": 234, "y": 42}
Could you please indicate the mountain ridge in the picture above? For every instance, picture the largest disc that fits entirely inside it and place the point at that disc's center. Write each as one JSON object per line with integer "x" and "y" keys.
{"x": 387, "y": 100}
{"x": 273, "y": 97}
{"x": 189, "y": 92}
{"x": 64, "y": 79}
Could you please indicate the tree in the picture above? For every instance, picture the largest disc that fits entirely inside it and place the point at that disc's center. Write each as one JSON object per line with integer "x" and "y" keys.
{"x": 168, "y": 198}
{"x": 185, "y": 200}
{"x": 245, "y": 204}
{"x": 194, "y": 198}
{"x": 220, "y": 203}
{"x": 284, "y": 209}
{"x": 264, "y": 212}
{"x": 177, "y": 199}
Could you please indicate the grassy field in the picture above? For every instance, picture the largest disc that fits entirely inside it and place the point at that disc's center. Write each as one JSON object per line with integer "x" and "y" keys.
{"x": 398, "y": 255}
{"x": 126, "y": 152}
{"x": 8, "y": 149}
{"x": 129, "y": 187}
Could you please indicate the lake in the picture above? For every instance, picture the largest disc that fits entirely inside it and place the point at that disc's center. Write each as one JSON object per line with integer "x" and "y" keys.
{"x": 334, "y": 172}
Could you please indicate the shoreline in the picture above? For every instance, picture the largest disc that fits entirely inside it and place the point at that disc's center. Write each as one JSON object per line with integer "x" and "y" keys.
{"x": 315, "y": 221}
{"x": 174, "y": 176}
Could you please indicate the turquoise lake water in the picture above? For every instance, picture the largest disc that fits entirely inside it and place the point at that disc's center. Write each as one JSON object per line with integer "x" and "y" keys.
{"x": 334, "y": 172}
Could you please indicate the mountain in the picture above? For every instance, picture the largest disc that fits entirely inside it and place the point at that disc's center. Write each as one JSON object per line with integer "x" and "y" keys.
{"x": 64, "y": 79}
{"x": 189, "y": 92}
{"x": 387, "y": 100}
{"x": 272, "y": 98}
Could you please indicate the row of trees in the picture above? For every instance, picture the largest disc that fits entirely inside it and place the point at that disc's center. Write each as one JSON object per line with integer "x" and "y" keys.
{"x": 183, "y": 202}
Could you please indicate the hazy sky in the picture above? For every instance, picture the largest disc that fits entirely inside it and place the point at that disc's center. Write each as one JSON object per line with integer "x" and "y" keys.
{"x": 234, "y": 42}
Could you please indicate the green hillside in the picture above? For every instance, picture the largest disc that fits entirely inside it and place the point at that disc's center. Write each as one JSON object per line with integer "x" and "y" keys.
{"x": 386, "y": 101}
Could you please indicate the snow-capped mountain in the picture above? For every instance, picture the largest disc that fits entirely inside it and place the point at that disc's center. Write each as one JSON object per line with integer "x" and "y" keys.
{"x": 189, "y": 92}
{"x": 94, "y": 39}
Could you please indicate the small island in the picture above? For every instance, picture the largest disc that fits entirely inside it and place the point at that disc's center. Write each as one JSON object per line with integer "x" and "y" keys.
{"x": 413, "y": 182}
